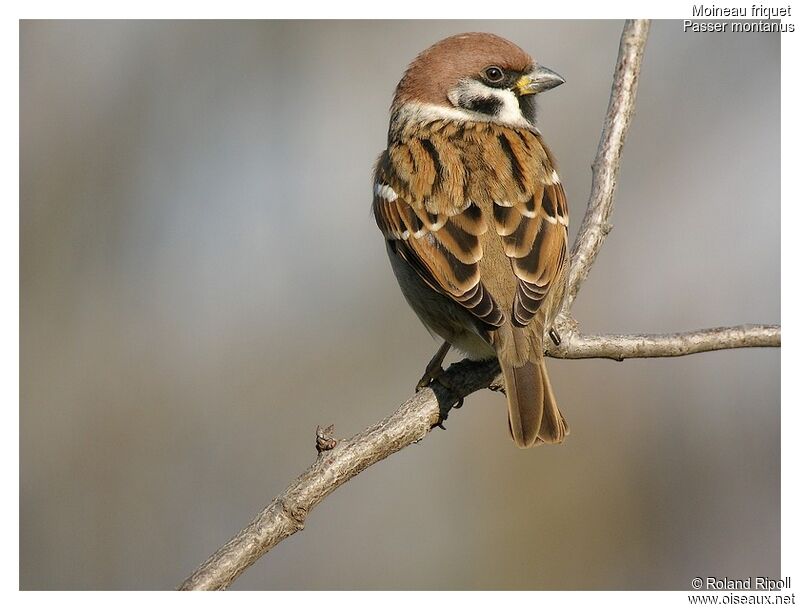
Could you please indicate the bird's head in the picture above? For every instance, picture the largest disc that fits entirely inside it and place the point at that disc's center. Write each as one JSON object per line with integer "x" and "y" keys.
{"x": 476, "y": 77}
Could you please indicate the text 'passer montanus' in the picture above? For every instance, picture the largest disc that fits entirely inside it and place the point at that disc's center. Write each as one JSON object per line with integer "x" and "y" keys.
{"x": 475, "y": 217}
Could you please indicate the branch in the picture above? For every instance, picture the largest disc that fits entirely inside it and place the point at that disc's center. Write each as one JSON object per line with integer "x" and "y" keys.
{"x": 335, "y": 466}
{"x": 605, "y": 167}
{"x": 416, "y": 417}
{"x": 620, "y": 347}
{"x": 287, "y": 513}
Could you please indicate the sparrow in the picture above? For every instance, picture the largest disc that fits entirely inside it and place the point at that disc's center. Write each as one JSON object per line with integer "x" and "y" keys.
{"x": 474, "y": 215}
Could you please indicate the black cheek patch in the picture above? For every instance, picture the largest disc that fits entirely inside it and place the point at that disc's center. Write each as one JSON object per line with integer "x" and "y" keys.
{"x": 485, "y": 105}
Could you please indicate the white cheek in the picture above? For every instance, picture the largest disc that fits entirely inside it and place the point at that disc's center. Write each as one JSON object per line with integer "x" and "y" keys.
{"x": 509, "y": 113}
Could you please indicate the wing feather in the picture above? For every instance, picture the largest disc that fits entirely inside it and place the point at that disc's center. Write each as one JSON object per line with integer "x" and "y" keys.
{"x": 426, "y": 193}
{"x": 537, "y": 249}
{"x": 446, "y": 258}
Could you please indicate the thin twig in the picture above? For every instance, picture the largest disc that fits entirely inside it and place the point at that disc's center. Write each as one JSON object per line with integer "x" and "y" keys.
{"x": 427, "y": 408}
{"x": 605, "y": 167}
{"x": 620, "y": 347}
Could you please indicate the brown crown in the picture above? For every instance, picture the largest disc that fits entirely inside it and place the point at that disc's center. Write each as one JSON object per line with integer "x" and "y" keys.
{"x": 438, "y": 68}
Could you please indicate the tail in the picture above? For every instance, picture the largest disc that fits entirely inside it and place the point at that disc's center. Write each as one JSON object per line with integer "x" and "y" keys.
{"x": 533, "y": 414}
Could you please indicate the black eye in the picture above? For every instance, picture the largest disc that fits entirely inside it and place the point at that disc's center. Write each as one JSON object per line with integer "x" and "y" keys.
{"x": 493, "y": 74}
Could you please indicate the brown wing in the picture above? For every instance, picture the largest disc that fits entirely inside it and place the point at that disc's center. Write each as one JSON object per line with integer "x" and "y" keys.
{"x": 443, "y": 249}
{"x": 425, "y": 189}
{"x": 534, "y": 235}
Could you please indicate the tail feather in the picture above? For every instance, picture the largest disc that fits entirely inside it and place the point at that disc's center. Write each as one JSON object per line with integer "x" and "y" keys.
{"x": 554, "y": 427}
{"x": 533, "y": 415}
{"x": 525, "y": 400}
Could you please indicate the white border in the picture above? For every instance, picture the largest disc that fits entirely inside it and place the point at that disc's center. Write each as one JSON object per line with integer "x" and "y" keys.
{"x": 9, "y": 267}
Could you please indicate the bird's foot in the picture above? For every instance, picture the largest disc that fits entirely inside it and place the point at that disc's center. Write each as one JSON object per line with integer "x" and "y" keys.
{"x": 434, "y": 369}
{"x": 444, "y": 411}
{"x": 430, "y": 375}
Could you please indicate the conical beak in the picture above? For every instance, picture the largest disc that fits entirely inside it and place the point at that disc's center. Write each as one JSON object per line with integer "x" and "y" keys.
{"x": 538, "y": 80}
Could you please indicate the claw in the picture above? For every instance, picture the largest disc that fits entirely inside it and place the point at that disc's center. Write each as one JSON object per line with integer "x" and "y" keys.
{"x": 445, "y": 411}
{"x": 428, "y": 378}
{"x": 434, "y": 368}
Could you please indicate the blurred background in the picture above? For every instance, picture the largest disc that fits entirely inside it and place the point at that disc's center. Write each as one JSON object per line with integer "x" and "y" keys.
{"x": 202, "y": 284}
